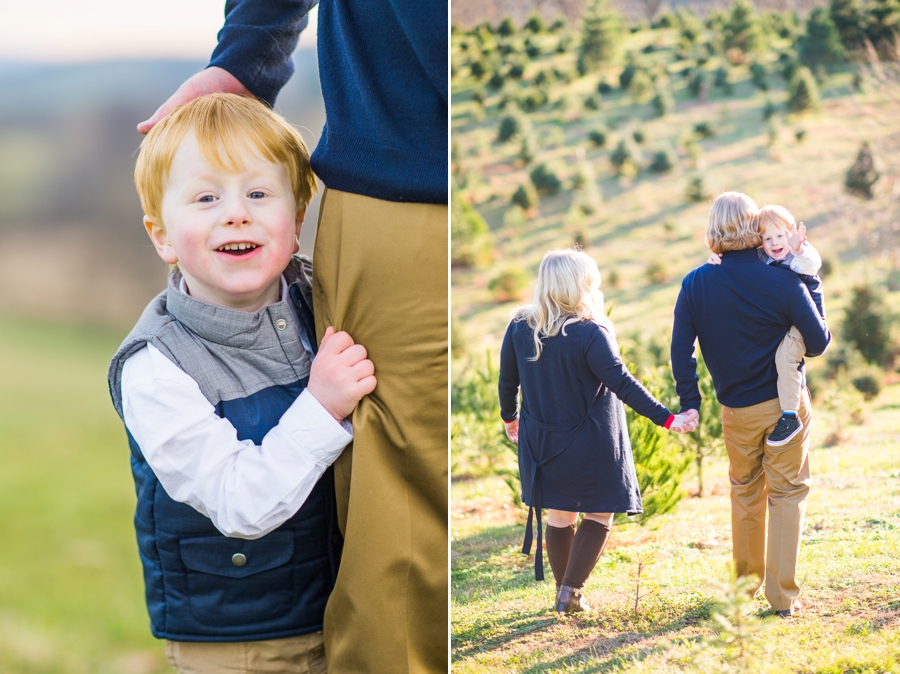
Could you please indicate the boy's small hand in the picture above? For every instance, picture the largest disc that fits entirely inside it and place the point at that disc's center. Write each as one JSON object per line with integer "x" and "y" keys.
{"x": 714, "y": 258}
{"x": 797, "y": 238}
{"x": 686, "y": 422}
{"x": 340, "y": 374}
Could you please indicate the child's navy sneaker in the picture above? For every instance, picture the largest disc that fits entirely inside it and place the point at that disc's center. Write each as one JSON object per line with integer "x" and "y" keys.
{"x": 787, "y": 427}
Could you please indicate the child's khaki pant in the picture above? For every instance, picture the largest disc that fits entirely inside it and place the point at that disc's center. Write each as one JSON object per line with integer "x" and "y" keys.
{"x": 787, "y": 361}
{"x": 380, "y": 273}
{"x": 765, "y": 477}
{"x": 304, "y": 654}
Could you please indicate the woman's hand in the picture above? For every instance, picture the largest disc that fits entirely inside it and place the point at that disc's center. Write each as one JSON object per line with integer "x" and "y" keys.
{"x": 686, "y": 422}
{"x": 512, "y": 430}
{"x": 714, "y": 258}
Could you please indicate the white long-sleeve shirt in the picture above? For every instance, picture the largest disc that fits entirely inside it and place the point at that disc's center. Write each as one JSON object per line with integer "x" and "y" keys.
{"x": 247, "y": 490}
{"x": 807, "y": 262}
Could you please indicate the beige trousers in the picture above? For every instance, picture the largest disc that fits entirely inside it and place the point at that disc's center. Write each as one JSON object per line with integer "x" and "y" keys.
{"x": 380, "y": 273}
{"x": 304, "y": 654}
{"x": 767, "y": 478}
{"x": 787, "y": 359}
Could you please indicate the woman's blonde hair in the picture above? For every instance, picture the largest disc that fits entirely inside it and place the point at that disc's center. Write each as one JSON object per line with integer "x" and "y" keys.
{"x": 776, "y": 215}
{"x": 733, "y": 223}
{"x": 225, "y": 125}
{"x": 567, "y": 291}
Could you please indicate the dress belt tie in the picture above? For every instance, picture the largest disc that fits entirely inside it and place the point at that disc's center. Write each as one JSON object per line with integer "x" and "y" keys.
{"x": 536, "y": 500}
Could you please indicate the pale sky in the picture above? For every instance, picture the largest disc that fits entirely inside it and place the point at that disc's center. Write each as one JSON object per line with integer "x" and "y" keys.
{"x": 68, "y": 31}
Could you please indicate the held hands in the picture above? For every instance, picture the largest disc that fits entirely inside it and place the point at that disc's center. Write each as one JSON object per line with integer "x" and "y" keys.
{"x": 340, "y": 374}
{"x": 205, "y": 82}
{"x": 512, "y": 430}
{"x": 797, "y": 238}
{"x": 714, "y": 258}
{"x": 686, "y": 422}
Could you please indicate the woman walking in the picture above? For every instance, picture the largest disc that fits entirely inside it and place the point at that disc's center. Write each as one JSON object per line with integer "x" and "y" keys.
{"x": 574, "y": 451}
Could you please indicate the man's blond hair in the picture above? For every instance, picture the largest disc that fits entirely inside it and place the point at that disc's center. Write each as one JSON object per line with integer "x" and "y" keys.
{"x": 778, "y": 216}
{"x": 225, "y": 125}
{"x": 733, "y": 223}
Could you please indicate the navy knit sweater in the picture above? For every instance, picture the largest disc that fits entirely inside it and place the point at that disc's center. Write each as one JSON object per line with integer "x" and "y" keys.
{"x": 383, "y": 68}
{"x": 739, "y": 312}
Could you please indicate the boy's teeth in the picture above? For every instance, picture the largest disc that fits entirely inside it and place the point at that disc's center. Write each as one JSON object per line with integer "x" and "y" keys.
{"x": 238, "y": 246}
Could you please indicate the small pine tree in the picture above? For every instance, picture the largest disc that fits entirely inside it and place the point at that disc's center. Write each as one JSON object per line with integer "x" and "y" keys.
{"x": 535, "y": 24}
{"x": 506, "y": 28}
{"x": 625, "y": 157}
{"x": 663, "y": 160}
{"x": 598, "y": 137}
{"x": 822, "y": 42}
{"x": 696, "y": 190}
{"x": 707, "y": 440}
{"x": 743, "y": 30}
{"x": 510, "y": 125}
{"x": 525, "y": 197}
{"x": 769, "y": 110}
{"x": 699, "y": 83}
{"x": 850, "y": 21}
{"x": 803, "y": 92}
{"x": 758, "y": 76}
{"x": 469, "y": 236}
{"x": 545, "y": 180}
{"x": 601, "y": 33}
{"x": 704, "y": 130}
{"x": 627, "y": 74}
{"x": 862, "y": 176}
{"x": 641, "y": 86}
{"x": 867, "y": 324}
{"x": 662, "y": 103}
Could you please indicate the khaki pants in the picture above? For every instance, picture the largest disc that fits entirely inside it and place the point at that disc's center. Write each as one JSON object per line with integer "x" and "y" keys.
{"x": 787, "y": 359}
{"x": 380, "y": 273}
{"x": 761, "y": 476}
{"x": 304, "y": 654}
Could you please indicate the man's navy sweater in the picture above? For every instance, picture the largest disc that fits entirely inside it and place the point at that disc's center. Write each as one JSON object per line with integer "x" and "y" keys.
{"x": 383, "y": 68}
{"x": 739, "y": 312}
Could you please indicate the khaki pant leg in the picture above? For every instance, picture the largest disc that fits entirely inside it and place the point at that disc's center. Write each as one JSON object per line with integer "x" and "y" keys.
{"x": 380, "y": 273}
{"x": 304, "y": 654}
{"x": 788, "y": 478}
{"x": 744, "y": 431}
{"x": 787, "y": 359}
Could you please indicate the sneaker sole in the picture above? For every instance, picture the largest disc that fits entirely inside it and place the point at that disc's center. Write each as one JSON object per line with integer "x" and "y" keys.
{"x": 779, "y": 443}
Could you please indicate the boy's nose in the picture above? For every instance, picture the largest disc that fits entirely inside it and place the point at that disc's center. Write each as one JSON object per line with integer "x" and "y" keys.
{"x": 237, "y": 213}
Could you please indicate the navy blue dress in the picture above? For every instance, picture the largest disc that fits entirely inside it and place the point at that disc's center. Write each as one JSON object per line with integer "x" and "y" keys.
{"x": 574, "y": 451}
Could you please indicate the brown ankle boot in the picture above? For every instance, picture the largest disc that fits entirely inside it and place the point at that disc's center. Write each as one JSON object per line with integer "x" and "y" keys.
{"x": 570, "y": 600}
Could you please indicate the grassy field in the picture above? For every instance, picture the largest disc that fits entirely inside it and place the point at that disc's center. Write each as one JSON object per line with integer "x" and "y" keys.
{"x": 71, "y": 592}
{"x": 502, "y": 620}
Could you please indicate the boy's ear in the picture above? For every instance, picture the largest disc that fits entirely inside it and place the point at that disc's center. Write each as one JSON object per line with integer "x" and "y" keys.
{"x": 298, "y": 224}
{"x": 160, "y": 239}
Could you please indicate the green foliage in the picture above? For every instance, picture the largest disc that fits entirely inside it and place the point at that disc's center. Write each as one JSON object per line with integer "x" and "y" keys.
{"x": 598, "y": 137}
{"x": 850, "y": 21}
{"x": 656, "y": 273}
{"x": 476, "y": 429}
{"x": 510, "y": 125}
{"x": 626, "y": 157}
{"x": 592, "y": 102}
{"x": 883, "y": 27}
{"x": 698, "y": 84}
{"x": 690, "y": 28}
{"x": 758, "y": 76}
{"x": 627, "y": 74}
{"x": 638, "y": 134}
{"x": 721, "y": 79}
{"x": 822, "y": 42}
{"x": 478, "y": 69}
{"x": 707, "y": 440}
{"x": 545, "y": 180}
{"x": 743, "y": 31}
{"x": 602, "y": 31}
{"x": 769, "y": 110}
{"x": 469, "y": 238}
{"x": 506, "y": 28}
{"x": 704, "y": 130}
{"x": 534, "y": 24}
{"x": 525, "y": 197}
{"x": 663, "y": 103}
{"x": 527, "y": 148}
{"x": 508, "y": 284}
{"x": 641, "y": 86}
{"x": 663, "y": 160}
{"x": 696, "y": 190}
{"x": 532, "y": 98}
{"x": 862, "y": 175}
{"x": 867, "y": 325}
{"x": 803, "y": 92}
{"x": 604, "y": 87}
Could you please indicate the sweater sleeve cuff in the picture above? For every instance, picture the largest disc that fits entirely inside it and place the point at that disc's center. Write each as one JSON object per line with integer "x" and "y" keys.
{"x": 669, "y": 421}
{"x": 313, "y": 428}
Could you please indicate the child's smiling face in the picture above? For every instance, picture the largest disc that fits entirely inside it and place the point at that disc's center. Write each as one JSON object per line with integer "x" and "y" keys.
{"x": 231, "y": 234}
{"x": 775, "y": 242}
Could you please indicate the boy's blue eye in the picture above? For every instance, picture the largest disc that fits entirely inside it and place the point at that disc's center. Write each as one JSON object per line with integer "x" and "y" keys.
{"x": 206, "y": 198}
{"x": 257, "y": 195}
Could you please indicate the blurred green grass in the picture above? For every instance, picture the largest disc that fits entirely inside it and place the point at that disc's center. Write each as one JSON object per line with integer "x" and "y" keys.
{"x": 71, "y": 592}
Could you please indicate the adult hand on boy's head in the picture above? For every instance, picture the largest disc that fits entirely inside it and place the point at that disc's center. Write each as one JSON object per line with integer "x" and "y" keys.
{"x": 207, "y": 81}
{"x": 797, "y": 238}
{"x": 340, "y": 374}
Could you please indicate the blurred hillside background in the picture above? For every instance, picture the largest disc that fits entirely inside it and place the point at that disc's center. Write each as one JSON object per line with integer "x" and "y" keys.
{"x": 612, "y": 125}
{"x": 74, "y": 83}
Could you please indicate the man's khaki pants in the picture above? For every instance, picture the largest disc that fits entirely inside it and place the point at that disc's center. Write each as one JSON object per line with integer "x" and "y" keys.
{"x": 295, "y": 655}
{"x": 777, "y": 477}
{"x": 380, "y": 273}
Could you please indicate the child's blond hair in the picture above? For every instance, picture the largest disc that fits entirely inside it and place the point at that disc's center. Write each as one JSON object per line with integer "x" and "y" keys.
{"x": 733, "y": 223}
{"x": 225, "y": 126}
{"x": 778, "y": 216}
{"x": 567, "y": 291}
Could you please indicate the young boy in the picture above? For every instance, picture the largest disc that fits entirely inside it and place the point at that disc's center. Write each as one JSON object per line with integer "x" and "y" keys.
{"x": 233, "y": 416}
{"x": 784, "y": 244}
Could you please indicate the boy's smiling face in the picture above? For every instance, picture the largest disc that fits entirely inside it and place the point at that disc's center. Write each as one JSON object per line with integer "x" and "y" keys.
{"x": 231, "y": 234}
{"x": 775, "y": 242}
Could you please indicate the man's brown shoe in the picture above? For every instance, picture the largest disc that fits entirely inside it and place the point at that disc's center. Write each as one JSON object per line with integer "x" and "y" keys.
{"x": 570, "y": 600}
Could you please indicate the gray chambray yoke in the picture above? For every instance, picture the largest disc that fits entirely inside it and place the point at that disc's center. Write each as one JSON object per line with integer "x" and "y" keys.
{"x": 231, "y": 354}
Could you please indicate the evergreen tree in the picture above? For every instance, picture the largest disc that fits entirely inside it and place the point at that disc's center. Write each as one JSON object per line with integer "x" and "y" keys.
{"x": 525, "y": 197}
{"x": 506, "y": 28}
{"x": 850, "y": 22}
{"x": 862, "y": 176}
{"x": 545, "y": 180}
{"x": 758, "y": 76}
{"x": 663, "y": 102}
{"x": 822, "y": 43}
{"x": 468, "y": 233}
{"x": 509, "y": 127}
{"x": 867, "y": 326}
{"x": 602, "y": 32}
{"x": 743, "y": 30}
{"x": 535, "y": 24}
{"x": 803, "y": 93}
{"x": 883, "y": 29}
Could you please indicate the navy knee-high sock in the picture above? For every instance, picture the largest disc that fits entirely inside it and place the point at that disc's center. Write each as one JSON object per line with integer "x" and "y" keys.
{"x": 558, "y": 541}
{"x": 587, "y": 546}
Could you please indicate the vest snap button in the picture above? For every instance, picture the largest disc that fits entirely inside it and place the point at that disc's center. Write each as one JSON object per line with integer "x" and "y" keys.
{"x": 239, "y": 559}
{"x": 281, "y": 324}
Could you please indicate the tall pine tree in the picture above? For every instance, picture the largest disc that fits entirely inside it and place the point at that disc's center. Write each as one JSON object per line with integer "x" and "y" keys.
{"x": 822, "y": 43}
{"x": 850, "y": 22}
{"x": 602, "y": 31}
{"x": 743, "y": 30}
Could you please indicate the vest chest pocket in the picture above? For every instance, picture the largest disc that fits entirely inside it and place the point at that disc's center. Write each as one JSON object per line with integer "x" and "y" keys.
{"x": 235, "y": 580}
